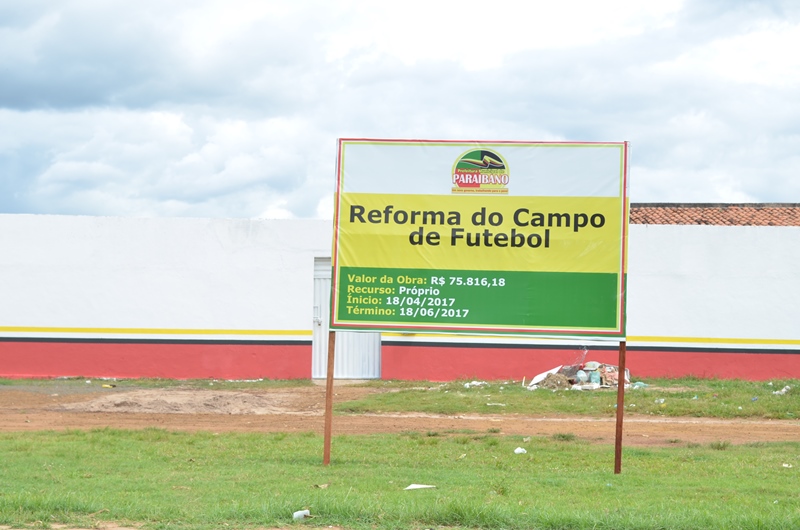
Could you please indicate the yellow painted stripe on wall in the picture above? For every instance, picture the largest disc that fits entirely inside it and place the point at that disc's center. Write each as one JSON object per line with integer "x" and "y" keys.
{"x": 155, "y": 331}
{"x": 307, "y": 332}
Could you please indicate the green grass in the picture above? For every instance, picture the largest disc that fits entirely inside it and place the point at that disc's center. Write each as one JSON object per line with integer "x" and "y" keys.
{"x": 196, "y": 481}
{"x": 662, "y": 397}
{"x": 720, "y": 445}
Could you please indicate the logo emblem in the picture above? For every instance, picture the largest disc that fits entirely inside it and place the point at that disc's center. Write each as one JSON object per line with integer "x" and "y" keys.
{"x": 480, "y": 171}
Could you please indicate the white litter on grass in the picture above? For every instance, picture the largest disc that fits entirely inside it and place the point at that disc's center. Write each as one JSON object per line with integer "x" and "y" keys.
{"x": 520, "y": 451}
{"x": 418, "y": 487}
{"x": 585, "y": 386}
{"x": 788, "y": 465}
{"x": 475, "y": 383}
{"x": 495, "y": 404}
{"x": 301, "y": 514}
{"x": 782, "y": 391}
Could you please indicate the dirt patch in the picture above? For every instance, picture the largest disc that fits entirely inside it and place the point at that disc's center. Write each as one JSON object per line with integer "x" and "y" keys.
{"x": 301, "y": 409}
{"x": 199, "y": 402}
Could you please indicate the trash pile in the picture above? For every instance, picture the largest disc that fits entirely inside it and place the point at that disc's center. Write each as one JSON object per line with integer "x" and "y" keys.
{"x": 590, "y": 375}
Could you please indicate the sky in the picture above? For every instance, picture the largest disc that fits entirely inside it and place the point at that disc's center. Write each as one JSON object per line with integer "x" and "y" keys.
{"x": 233, "y": 108}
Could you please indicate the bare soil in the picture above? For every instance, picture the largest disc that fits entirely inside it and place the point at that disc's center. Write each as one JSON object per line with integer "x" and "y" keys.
{"x": 301, "y": 409}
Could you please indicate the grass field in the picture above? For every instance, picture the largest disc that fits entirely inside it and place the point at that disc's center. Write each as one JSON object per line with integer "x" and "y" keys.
{"x": 712, "y": 398}
{"x": 160, "y": 479}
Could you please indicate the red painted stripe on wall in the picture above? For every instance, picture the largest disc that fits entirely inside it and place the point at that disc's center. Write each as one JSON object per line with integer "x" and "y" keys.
{"x": 172, "y": 360}
{"x": 761, "y": 366}
{"x": 176, "y": 360}
{"x": 439, "y": 363}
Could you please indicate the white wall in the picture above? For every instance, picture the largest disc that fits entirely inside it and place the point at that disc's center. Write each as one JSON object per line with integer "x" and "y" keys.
{"x": 236, "y": 278}
{"x": 144, "y": 277}
{"x": 703, "y": 283}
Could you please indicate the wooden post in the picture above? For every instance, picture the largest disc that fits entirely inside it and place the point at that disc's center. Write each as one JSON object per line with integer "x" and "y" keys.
{"x": 620, "y": 409}
{"x": 326, "y": 457}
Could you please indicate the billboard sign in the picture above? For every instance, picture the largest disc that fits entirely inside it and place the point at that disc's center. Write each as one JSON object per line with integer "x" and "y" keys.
{"x": 480, "y": 237}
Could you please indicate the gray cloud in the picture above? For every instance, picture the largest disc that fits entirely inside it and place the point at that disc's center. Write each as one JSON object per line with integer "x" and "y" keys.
{"x": 121, "y": 109}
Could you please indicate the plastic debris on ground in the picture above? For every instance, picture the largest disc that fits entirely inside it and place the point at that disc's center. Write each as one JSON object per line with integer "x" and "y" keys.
{"x": 586, "y": 386}
{"x": 782, "y": 391}
{"x": 590, "y": 375}
{"x": 301, "y": 514}
{"x": 418, "y": 487}
{"x": 541, "y": 377}
{"x": 553, "y": 382}
{"x": 520, "y": 451}
{"x": 475, "y": 384}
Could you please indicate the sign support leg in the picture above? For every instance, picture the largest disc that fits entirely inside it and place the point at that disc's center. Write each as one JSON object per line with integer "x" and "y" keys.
{"x": 620, "y": 409}
{"x": 326, "y": 457}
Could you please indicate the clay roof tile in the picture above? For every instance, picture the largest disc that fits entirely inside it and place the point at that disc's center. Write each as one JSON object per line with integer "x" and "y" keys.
{"x": 747, "y": 214}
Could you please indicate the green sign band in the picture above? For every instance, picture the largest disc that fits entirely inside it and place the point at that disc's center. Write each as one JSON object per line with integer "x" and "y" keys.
{"x": 427, "y": 297}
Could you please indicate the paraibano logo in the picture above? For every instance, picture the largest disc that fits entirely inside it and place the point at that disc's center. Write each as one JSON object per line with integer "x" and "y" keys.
{"x": 480, "y": 171}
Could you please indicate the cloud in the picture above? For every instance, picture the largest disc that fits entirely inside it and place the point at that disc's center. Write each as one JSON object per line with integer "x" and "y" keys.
{"x": 125, "y": 162}
{"x": 99, "y": 53}
{"x": 233, "y": 109}
{"x": 479, "y": 36}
